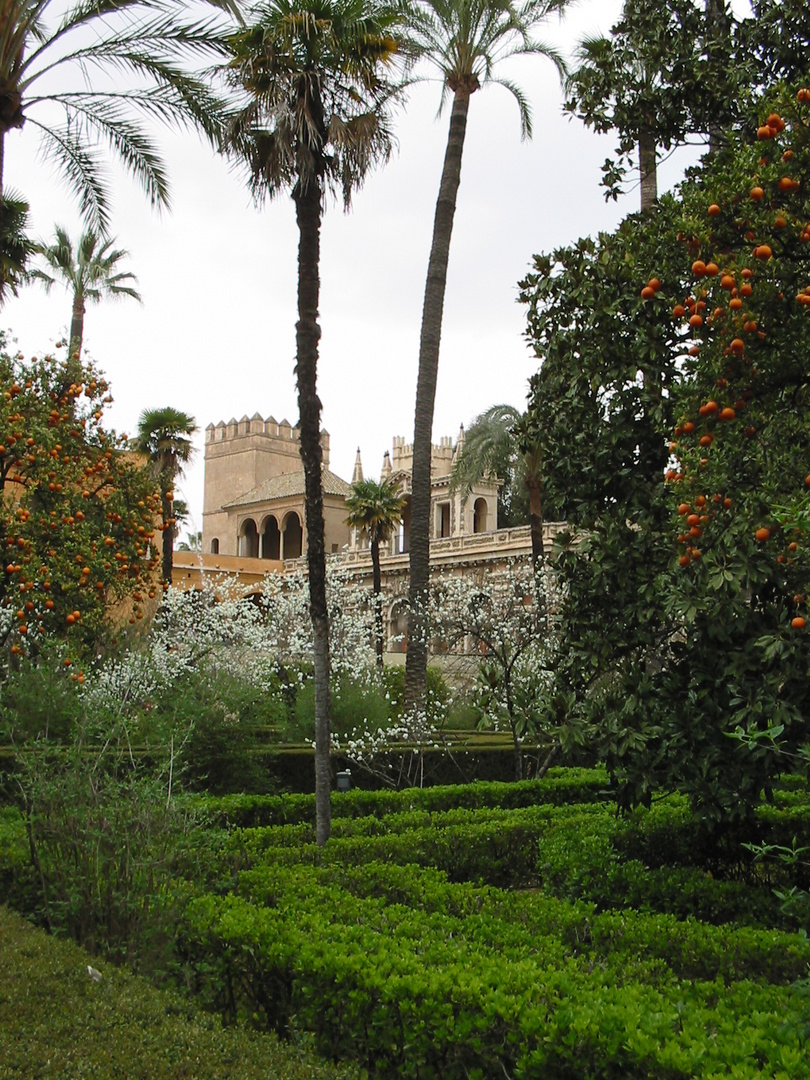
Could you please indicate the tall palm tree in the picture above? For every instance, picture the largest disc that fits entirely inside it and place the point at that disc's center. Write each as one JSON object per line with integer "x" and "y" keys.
{"x": 464, "y": 40}
{"x": 91, "y": 273}
{"x": 164, "y": 436}
{"x": 136, "y": 47}
{"x": 317, "y": 74}
{"x": 375, "y": 508}
{"x": 494, "y": 437}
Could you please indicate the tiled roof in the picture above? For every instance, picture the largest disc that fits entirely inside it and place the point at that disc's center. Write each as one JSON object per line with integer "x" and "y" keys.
{"x": 292, "y": 483}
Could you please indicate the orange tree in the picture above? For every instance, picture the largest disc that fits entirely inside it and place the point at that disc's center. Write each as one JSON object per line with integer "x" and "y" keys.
{"x": 672, "y": 403}
{"x": 77, "y": 513}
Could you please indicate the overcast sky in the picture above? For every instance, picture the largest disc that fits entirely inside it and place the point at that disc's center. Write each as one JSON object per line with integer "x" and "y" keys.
{"x": 215, "y": 335}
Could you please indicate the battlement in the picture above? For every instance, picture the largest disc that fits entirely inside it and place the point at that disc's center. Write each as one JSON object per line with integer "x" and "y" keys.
{"x": 441, "y": 456}
{"x": 254, "y": 425}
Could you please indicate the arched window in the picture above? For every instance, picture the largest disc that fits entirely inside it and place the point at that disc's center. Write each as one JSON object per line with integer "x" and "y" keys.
{"x": 480, "y": 516}
{"x": 249, "y": 540}
{"x": 403, "y": 538}
{"x": 293, "y": 536}
{"x": 215, "y": 546}
{"x": 271, "y": 539}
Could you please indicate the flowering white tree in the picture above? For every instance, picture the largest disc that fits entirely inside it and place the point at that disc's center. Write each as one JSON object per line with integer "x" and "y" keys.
{"x": 495, "y": 617}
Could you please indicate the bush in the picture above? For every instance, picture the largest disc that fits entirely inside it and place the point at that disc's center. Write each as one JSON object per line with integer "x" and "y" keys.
{"x": 355, "y": 703}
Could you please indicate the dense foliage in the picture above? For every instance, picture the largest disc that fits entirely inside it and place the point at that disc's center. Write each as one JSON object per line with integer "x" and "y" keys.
{"x": 77, "y": 518}
{"x": 689, "y": 325}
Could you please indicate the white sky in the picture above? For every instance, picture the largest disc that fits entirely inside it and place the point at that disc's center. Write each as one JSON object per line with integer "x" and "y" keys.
{"x": 215, "y": 336}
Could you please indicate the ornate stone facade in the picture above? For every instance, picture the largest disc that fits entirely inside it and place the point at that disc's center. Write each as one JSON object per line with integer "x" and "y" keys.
{"x": 254, "y": 494}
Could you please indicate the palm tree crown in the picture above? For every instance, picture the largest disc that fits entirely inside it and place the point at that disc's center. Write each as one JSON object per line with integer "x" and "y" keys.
{"x": 375, "y": 508}
{"x": 466, "y": 40}
{"x": 134, "y": 42}
{"x": 164, "y": 435}
{"x": 91, "y": 273}
{"x": 315, "y": 73}
{"x": 498, "y": 439}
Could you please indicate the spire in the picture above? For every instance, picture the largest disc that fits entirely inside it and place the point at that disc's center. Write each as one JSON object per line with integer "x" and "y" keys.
{"x": 386, "y": 467}
{"x": 357, "y": 475}
{"x": 460, "y": 444}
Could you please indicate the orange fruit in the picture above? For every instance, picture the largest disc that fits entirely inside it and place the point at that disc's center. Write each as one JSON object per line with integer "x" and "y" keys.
{"x": 757, "y": 193}
{"x": 761, "y": 535}
{"x": 798, "y": 623}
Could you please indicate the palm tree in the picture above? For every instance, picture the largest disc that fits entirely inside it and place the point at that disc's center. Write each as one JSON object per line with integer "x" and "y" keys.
{"x": 464, "y": 40}
{"x": 90, "y": 272}
{"x": 496, "y": 437}
{"x": 164, "y": 436}
{"x": 317, "y": 76}
{"x": 134, "y": 45}
{"x": 376, "y": 510}
{"x": 15, "y": 245}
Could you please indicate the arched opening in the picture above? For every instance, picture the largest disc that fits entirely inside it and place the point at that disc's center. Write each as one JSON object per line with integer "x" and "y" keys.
{"x": 397, "y": 636}
{"x": 480, "y": 516}
{"x": 401, "y": 543}
{"x": 249, "y": 540}
{"x": 271, "y": 539}
{"x": 215, "y": 546}
{"x": 293, "y": 537}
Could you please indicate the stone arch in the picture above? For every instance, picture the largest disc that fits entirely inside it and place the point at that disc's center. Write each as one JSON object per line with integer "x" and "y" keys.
{"x": 248, "y": 539}
{"x": 480, "y": 516}
{"x": 397, "y": 627}
{"x": 215, "y": 546}
{"x": 292, "y": 536}
{"x": 271, "y": 539}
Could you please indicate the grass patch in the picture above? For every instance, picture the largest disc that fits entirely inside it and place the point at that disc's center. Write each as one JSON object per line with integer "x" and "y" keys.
{"x": 56, "y": 1021}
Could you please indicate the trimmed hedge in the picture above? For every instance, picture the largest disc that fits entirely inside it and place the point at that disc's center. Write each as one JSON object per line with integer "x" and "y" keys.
{"x": 559, "y": 786}
{"x": 414, "y": 990}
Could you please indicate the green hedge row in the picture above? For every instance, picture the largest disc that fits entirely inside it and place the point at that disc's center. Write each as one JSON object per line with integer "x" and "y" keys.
{"x": 581, "y": 851}
{"x": 559, "y": 786}
{"x": 518, "y": 921}
{"x": 474, "y": 982}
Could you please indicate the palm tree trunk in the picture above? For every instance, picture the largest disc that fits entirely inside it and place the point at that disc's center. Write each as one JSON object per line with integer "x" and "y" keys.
{"x": 419, "y": 562}
{"x": 376, "y": 588}
{"x": 308, "y": 215}
{"x": 76, "y": 326}
{"x": 168, "y": 539}
{"x": 536, "y": 522}
{"x": 649, "y": 171}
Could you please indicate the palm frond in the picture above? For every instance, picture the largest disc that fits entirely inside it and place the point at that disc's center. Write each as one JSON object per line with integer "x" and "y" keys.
{"x": 488, "y": 441}
{"x": 16, "y": 246}
{"x": 82, "y": 170}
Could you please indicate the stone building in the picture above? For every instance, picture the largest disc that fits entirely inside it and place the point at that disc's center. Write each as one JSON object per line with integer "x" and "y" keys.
{"x": 254, "y": 520}
{"x": 254, "y": 494}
